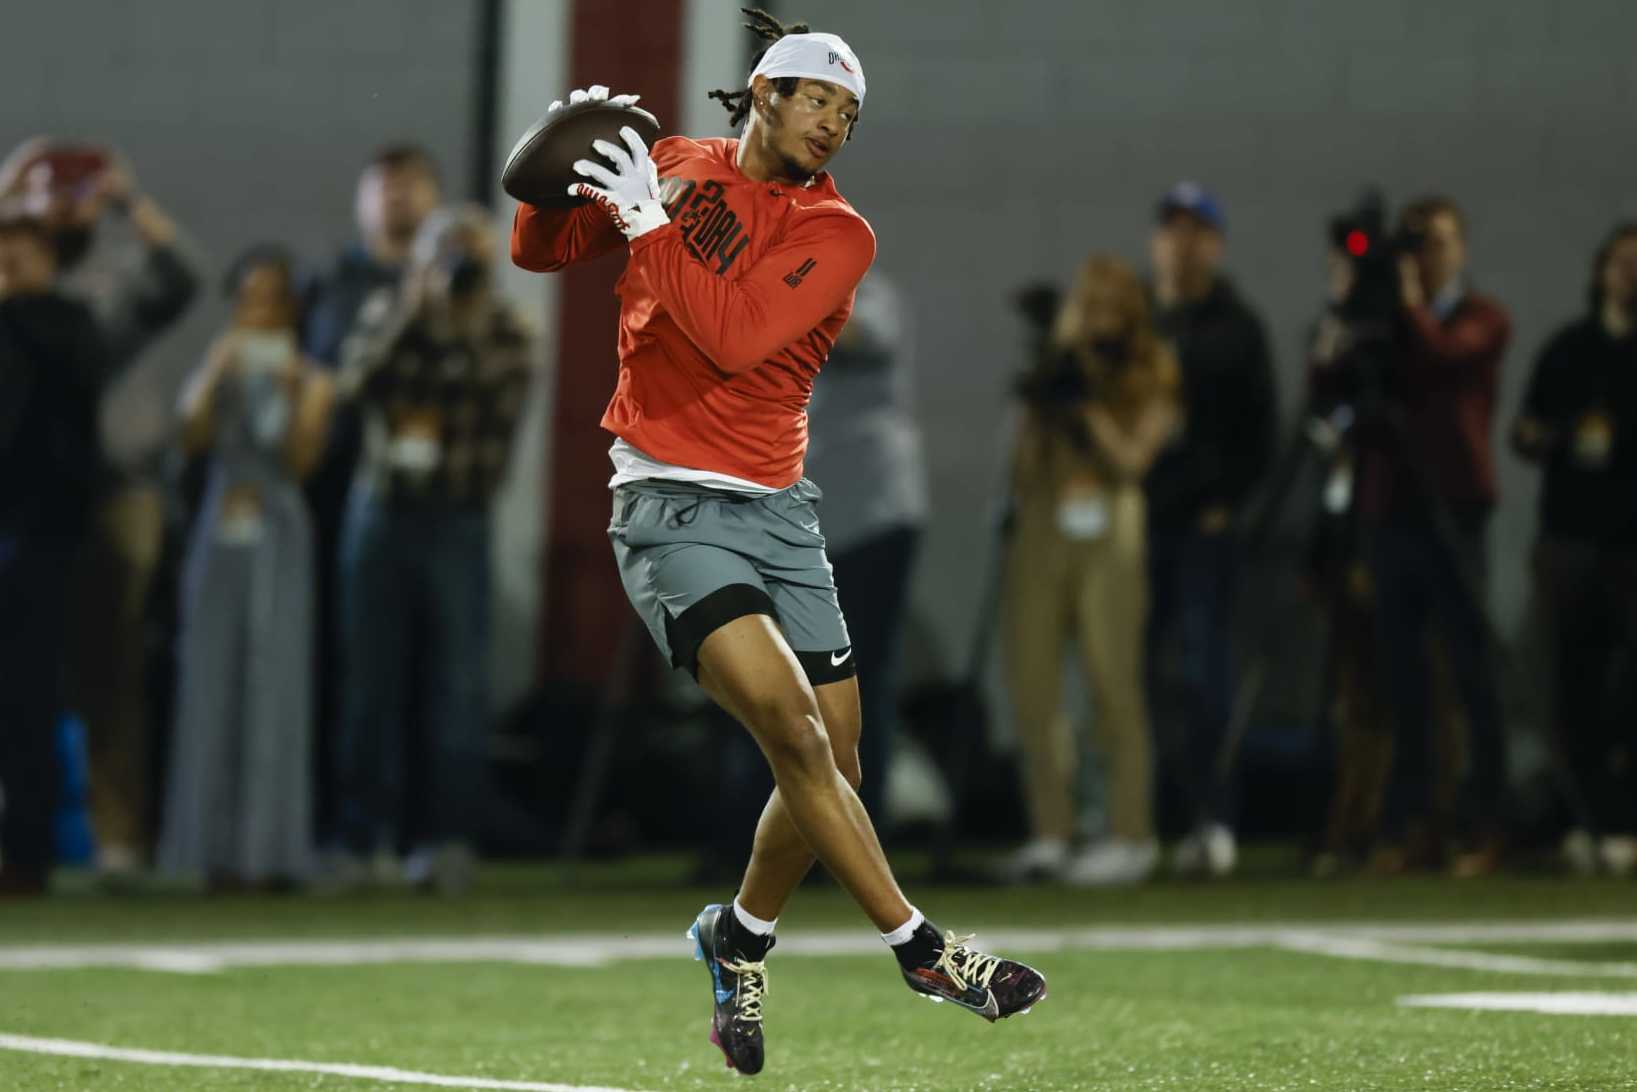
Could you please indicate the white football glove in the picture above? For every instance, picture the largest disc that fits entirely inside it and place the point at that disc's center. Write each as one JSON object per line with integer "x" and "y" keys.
{"x": 595, "y": 93}
{"x": 630, "y": 192}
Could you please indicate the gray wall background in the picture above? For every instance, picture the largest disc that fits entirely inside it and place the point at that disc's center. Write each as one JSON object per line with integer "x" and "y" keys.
{"x": 1003, "y": 142}
{"x": 248, "y": 120}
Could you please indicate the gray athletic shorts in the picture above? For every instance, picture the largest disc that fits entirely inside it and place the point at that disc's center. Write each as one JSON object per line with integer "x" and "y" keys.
{"x": 694, "y": 559}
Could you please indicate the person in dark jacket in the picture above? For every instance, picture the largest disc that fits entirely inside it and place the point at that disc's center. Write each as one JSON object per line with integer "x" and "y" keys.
{"x": 1196, "y": 491}
{"x": 125, "y": 258}
{"x": 397, "y": 189}
{"x": 52, "y": 363}
{"x": 1579, "y": 422}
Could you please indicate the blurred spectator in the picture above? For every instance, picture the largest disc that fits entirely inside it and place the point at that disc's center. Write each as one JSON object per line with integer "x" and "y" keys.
{"x": 398, "y": 187}
{"x": 864, "y": 451}
{"x": 1196, "y": 492}
{"x": 1425, "y": 489}
{"x": 1579, "y": 421}
{"x": 238, "y": 799}
{"x": 52, "y": 363}
{"x": 122, "y": 255}
{"x": 439, "y": 370}
{"x": 1100, "y": 404}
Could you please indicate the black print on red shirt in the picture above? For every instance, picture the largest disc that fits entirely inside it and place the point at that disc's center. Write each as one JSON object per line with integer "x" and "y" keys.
{"x": 793, "y": 278}
{"x": 710, "y": 229}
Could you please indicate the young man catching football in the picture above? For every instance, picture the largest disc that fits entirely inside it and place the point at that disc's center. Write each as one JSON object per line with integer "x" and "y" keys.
{"x": 743, "y": 261}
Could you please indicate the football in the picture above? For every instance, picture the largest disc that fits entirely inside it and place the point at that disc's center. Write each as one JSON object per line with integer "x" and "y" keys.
{"x": 540, "y": 169}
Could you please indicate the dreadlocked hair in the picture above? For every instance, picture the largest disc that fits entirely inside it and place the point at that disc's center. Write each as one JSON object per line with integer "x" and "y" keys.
{"x": 764, "y": 26}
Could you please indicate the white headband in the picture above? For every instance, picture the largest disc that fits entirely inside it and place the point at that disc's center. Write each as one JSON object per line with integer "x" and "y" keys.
{"x": 813, "y": 57}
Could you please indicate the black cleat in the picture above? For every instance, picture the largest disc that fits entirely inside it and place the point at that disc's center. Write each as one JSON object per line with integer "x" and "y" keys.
{"x": 738, "y": 985}
{"x": 990, "y": 986}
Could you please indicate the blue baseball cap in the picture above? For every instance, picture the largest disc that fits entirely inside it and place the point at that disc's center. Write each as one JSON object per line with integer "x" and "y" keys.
{"x": 1196, "y": 201}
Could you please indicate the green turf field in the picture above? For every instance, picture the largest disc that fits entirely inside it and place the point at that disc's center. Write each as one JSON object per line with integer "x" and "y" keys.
{"x": 1267, "y": 1005}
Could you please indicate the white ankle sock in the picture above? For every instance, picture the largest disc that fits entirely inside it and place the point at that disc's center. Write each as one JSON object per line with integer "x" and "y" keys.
{"x": 906, "y": 930}
{"x": 751, "y": 922}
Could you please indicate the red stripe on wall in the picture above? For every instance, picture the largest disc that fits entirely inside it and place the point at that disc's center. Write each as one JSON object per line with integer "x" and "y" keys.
{"x": 629, "y": 50}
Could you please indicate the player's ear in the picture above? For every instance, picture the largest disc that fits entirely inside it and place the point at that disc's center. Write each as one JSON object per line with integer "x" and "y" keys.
{"x": 762, "y": 92}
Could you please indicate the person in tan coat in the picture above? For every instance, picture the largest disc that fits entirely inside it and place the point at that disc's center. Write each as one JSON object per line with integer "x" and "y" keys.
{"x": 1101, "y": 403}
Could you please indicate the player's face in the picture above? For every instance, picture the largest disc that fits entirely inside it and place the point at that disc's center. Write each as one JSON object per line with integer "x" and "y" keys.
{"x": 812, "y": 124}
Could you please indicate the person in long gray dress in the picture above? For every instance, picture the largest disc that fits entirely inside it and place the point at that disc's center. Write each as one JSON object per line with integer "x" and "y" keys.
{"x": 239, "y": 798}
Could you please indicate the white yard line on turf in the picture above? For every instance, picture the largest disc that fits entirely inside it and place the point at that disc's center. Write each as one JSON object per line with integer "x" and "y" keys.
{"x": 1356, "y": 940}
{"x": 1377, "y": 951}
{"x": 68, "y": 1048}
{"x": 1548, "y": 1004}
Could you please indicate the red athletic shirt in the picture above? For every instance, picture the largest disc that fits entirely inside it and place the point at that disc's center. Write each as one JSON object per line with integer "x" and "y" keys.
{"x": 726, "y": 314}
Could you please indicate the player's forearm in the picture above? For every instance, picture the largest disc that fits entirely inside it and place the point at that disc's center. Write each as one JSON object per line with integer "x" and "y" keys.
{"x": 735, "y": 323}
{"x": 547, "y": 240}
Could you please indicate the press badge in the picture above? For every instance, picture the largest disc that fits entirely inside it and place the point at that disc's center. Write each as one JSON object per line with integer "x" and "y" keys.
{"x": 1083, "y": 517}
{"x": 1594, "y": 439}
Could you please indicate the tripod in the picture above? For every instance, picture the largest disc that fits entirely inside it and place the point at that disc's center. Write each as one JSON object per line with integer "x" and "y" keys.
{"x": 1371, "y": 427}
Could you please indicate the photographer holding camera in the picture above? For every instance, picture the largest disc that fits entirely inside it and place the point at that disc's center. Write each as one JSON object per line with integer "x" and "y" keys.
{"x": 1099, "y": 405}
{"x": 1420, "y": 351}
{"x": 439, "y": 370}
{"x": 238, "y": 798}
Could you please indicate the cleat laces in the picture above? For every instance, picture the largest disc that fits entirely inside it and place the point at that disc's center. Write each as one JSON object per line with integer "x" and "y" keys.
{"x": 966, "y": 967}
{"x": 749, "y": 990}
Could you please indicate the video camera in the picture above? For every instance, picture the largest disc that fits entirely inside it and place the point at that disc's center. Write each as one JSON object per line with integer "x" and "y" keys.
{"x": 1362, "y": 234}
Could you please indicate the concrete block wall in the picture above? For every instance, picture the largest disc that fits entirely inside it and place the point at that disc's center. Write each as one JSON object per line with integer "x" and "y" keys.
{"x": 1003, "y": 142}
{"x": 247, "y": 120}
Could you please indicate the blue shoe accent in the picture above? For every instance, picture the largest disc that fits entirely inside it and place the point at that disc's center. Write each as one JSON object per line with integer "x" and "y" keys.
{"x": 723, "y": 995}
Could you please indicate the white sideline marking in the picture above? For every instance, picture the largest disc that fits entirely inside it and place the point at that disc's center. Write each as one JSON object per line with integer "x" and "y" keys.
{"x": 68, "y": 1048}
{"x": 1549, "y": 1004}
{"x": 1382, "y": 952}
{"x": 1387, "y": 942}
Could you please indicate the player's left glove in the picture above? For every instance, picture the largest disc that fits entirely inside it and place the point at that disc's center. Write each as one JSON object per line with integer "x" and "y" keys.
{"x": 630, "y": 192}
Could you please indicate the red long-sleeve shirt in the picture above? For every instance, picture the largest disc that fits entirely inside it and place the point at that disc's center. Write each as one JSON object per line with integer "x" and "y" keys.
{"x": 726, "y": 314}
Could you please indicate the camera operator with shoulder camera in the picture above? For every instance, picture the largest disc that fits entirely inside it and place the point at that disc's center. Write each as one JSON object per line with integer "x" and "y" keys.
{"x": 1418, "y": 352}
{"x": 1098, "y": 407}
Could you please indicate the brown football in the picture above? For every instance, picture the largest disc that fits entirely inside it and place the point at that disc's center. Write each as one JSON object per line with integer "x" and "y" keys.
{"x": 541, "y": 167}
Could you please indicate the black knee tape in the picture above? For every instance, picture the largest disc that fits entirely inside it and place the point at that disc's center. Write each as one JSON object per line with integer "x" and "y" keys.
{"x": 687, "y": 631}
